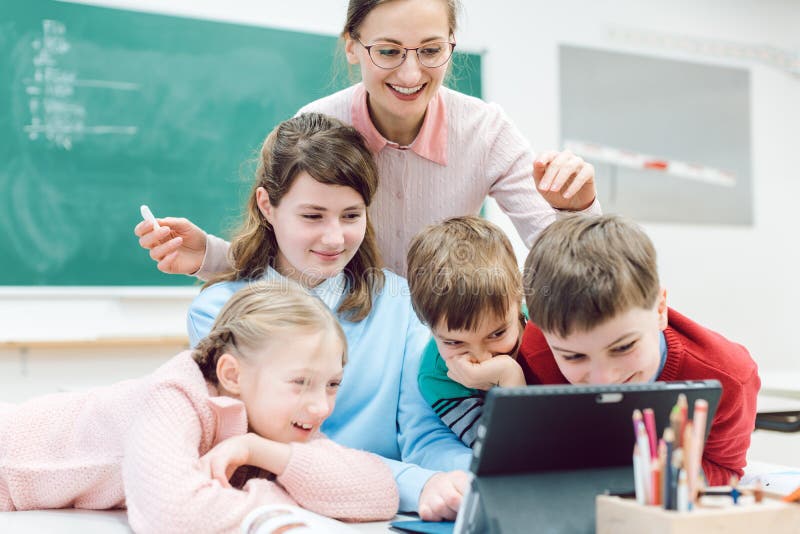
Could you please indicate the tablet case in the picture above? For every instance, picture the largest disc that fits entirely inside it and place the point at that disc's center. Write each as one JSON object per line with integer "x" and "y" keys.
{"x": 422, "y": 527}
{"x": 544, "y": 452}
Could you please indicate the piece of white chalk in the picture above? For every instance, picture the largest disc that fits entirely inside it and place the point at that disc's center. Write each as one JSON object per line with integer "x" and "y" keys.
{"x": 147, "y": 215}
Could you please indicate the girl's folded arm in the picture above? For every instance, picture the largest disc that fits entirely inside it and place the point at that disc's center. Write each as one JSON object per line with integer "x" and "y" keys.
{"x": 339, "y": 482}
{"x": 165, "y": 491}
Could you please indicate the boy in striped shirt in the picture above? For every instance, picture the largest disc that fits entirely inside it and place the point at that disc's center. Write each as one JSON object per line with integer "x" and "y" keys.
{"x": 466, "y": 286}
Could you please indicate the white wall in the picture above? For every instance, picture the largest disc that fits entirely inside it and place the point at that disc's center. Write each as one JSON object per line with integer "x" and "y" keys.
{"x": 739, "y": 281}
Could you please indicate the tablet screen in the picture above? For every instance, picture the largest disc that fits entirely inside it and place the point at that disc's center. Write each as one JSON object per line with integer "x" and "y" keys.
{"x": 566, "y": 427}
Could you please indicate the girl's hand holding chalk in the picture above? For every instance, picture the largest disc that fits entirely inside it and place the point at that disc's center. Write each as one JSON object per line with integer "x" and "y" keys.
{"x": 177, "y": 245}
{"x": 147, "y": 215}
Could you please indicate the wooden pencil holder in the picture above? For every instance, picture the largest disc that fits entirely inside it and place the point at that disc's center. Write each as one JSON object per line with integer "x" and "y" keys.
{"x": 616, "y": 515}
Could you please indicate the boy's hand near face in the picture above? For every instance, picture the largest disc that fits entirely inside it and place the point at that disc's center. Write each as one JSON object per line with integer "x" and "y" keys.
{"x": 501, "y": 370}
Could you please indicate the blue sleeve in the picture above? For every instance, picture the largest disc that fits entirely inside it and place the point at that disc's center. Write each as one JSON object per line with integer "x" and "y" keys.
{"x": 204, "y": 310}
{"x": 423, "y": 438}
{"x": 410, "y": 480}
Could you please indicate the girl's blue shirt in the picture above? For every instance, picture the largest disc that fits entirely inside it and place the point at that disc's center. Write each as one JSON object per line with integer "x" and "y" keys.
{"x": 379, "y": 407}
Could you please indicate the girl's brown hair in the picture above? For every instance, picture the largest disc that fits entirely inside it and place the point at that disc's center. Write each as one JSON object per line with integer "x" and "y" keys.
{"x": 331, "y": 153}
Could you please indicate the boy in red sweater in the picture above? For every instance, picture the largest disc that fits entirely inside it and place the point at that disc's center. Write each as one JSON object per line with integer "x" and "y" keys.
{"x": 598, "y": 315}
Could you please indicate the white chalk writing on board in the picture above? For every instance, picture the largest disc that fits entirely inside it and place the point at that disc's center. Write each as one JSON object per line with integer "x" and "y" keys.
{"x": 55, "y": 114}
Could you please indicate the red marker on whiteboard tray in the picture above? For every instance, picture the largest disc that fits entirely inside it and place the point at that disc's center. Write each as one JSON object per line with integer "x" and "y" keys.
{"x": 656, "y": 164}
{"x": 622, "y": 157}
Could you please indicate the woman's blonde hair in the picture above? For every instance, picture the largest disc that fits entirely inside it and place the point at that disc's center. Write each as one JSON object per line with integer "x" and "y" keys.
{"x": 258, "y": 314}
{"x": 332, "y": 153}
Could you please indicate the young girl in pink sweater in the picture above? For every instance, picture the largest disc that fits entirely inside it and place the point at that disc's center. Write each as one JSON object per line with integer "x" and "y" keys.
{"x": 210, "y": 435}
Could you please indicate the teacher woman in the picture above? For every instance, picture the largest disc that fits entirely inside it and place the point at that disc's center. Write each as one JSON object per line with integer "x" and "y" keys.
{"x": 439, "y": 152}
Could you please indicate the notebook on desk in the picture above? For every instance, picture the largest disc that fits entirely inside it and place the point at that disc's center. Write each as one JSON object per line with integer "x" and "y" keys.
{"x": 544, "y": 452}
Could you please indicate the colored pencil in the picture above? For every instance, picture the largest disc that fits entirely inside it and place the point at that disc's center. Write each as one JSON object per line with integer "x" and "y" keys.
{"x": 683, "y": 408}
{"x": 638, "y": 486}
{"x": 650, "y": 426}
{"x": 699, "y": 418}
{"x": 669, "y": 443}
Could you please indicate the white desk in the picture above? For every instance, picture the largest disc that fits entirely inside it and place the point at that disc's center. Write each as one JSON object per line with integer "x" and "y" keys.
{"x": 775, "y": 456}
{"x": 769, "y": 452}
{"x": 111, "y": 522}
{"x": 64, "y": 521}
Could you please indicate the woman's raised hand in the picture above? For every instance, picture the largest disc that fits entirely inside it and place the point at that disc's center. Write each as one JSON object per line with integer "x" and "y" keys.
{"x": 177, "y": 245}
{"x": 564, "y": 180}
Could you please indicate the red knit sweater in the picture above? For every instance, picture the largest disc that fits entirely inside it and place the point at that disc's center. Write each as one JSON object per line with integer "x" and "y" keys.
{"x": 693, "y": 353}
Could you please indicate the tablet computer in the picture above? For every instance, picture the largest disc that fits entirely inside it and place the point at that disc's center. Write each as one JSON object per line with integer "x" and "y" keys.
{"x": 552, "y": 428}
{"x": 545, "y": 452}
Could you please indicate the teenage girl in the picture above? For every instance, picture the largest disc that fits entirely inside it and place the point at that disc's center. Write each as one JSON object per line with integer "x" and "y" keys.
{"x": 307, "y": 220}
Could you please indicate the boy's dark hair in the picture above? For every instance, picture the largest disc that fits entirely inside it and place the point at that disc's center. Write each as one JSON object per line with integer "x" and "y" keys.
{"x": 584, "y": 270}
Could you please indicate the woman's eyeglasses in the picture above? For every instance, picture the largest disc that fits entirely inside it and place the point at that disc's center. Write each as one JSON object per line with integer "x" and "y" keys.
{"x": 390, "y": 56}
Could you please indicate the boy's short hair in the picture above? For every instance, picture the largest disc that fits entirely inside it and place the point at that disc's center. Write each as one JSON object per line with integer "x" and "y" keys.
{"x": 584, "y": 270}
{"x": 460, "y": 270}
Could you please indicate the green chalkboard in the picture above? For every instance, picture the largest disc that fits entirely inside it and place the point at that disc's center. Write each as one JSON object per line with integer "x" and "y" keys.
{"x": 102, "y": 110}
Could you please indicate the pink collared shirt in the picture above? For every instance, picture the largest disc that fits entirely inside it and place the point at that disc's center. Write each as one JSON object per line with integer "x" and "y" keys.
{"x": 466, "y": 150}
{"x": 431, "y": 141}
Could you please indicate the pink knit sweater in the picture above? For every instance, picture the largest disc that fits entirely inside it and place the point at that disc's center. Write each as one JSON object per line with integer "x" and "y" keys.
{"x": 482, "y": 153}
{"x": 135, "y": 445}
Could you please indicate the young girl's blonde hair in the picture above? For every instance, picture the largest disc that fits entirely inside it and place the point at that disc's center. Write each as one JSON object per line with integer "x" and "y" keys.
{"x": 259, "y": 313}
{"x": 331, "y": 153}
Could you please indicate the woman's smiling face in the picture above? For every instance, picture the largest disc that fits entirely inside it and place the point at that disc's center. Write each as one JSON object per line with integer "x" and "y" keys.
{"x": 400, "y": 96}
